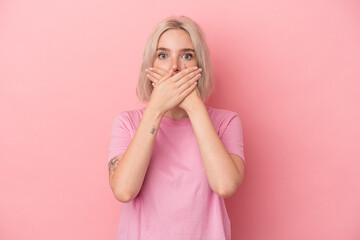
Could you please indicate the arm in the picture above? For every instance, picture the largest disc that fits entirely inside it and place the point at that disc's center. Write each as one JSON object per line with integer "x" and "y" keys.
{"x": 127, "y": 171}
{"x": 224, "y": 171}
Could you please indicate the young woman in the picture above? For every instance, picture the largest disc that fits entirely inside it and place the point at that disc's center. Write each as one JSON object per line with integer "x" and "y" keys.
{"x": 174, "y": 161}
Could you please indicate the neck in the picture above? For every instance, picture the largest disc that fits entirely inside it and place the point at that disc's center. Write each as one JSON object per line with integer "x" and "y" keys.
{"x": 176, "y": 113}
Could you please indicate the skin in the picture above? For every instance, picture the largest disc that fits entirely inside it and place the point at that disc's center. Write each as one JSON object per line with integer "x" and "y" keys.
{"x": 127, "y": 171}
{"x": 178, "y": 54}
{"x": 175, "y": 95}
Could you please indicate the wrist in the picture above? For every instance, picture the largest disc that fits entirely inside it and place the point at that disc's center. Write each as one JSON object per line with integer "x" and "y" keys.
{"x": 196, "y": 106}
{"x": 154, "y": 111}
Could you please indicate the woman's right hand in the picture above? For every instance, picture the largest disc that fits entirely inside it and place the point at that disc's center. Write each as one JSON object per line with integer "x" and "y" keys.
{"x": 171, "y": 89}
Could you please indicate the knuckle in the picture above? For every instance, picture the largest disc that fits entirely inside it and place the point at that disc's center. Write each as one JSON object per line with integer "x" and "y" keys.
{"x": 194, "y": 73}
{"x": 187, "y": 71}
{"x": 189, "y": 76}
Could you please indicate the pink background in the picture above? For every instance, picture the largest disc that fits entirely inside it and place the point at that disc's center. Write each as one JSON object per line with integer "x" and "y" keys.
{"x": 291, "y": 69}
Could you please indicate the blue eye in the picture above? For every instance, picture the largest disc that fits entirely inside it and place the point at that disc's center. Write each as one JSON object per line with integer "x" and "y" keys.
{"x": 161, "y": 54}
{"x": 190, "y": 56}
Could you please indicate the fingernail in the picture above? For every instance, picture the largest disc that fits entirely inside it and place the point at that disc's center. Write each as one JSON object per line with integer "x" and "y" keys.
{"x": 195, "y": 67}
{"x": 151, "y": 68}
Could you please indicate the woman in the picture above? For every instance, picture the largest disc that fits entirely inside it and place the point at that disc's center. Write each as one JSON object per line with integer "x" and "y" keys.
{"x": 174, "y": 161}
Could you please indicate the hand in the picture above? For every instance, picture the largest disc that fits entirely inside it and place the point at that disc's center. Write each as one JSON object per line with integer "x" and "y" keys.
{"x": 170, "y": 89}
{"x": 155, "y": 74}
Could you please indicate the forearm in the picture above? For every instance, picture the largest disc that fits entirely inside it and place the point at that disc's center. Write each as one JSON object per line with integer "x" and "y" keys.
{"x": 220, "y": 168}
{"x": 130, "y": 171}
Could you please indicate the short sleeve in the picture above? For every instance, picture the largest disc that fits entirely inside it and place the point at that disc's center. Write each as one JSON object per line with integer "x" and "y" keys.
{"x": 120, "y": 136}
{"x": 232, "y": 137}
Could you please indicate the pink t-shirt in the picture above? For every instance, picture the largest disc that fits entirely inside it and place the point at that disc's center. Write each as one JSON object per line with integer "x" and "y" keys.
{"x": 175, "y": 201}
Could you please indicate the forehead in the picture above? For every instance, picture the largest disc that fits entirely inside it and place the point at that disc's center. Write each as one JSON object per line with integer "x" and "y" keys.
{"x": 175, "y": 39}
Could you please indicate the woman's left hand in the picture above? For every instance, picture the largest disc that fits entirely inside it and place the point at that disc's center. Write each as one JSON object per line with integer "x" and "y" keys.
{"x": 154, "y": 75}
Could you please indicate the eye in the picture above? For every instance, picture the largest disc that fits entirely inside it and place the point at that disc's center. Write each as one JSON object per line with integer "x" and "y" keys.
{"x": 162, "y": 55}
{"x": 188, "y": 56}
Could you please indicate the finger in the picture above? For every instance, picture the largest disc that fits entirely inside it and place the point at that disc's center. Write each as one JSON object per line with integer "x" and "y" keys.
{"x": 166, "y": 76}
{"x": 183, "y": 73}
{"x": 158, "y": 71}
{"x": 188, "y": 83}
{"x": 188, "y": 90}
{"x": 153, "y": 74}
{"x": 151, "y": 78}
{"x": 195, "y": 74}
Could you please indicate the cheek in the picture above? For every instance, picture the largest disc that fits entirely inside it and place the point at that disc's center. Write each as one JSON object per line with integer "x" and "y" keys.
{"x": 190, "y": 63}
{"x": 159, "y": 64}
{"x": 164, "y": 65}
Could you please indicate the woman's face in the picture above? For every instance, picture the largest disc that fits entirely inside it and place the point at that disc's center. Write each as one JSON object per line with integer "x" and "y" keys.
{"x": 175, "y": 51}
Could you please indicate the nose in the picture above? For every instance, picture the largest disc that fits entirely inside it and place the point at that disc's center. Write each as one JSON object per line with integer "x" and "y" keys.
{"x": 175, "y": 66}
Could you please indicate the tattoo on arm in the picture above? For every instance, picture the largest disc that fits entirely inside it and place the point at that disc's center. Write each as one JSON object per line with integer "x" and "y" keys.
{"x": 153, "y": 129}
{"x": 113, "y": 163}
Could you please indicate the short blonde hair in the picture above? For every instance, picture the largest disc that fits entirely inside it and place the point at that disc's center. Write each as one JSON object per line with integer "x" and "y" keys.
{"x": 205, "y": 83}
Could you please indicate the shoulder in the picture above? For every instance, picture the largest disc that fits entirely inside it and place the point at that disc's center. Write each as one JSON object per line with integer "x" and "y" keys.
{"x": 129, "y": 119}
{"x": 220, "y": 115}
{"x": 131, "y": 114}
{"x": 222, "y": 118}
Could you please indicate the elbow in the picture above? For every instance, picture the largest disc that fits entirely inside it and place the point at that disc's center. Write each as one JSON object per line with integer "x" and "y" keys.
{"x": 120, "y": 193}
{"x": 225, "y": 193}
{"x": 229, "y": 190}
{"x": 123, "y": 196}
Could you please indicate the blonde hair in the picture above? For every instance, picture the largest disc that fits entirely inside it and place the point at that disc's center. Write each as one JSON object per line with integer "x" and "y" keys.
{"x": 205, "y": 83}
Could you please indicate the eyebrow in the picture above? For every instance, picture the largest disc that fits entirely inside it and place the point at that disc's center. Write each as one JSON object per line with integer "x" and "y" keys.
{"x": 182, "y": 50}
